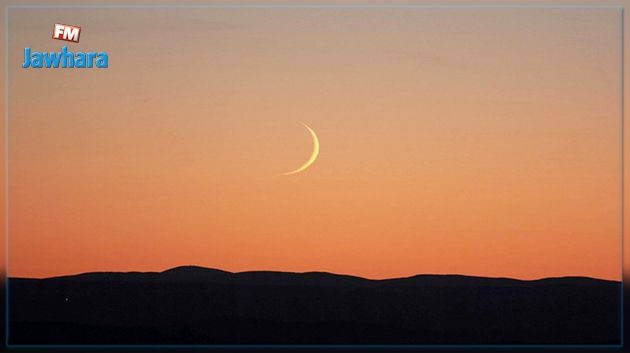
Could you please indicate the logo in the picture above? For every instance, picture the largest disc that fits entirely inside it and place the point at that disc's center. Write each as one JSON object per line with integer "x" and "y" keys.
{"x": 66, "y": 32}
{"x": 65, "y": 58}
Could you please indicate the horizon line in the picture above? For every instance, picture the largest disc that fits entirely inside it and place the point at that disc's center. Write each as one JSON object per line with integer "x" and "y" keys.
{"x": 190, "y": 266}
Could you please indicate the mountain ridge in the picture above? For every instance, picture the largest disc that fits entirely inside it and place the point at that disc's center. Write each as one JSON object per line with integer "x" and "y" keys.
{"x": 194, "y": 273}
{"x": 197, "y": 305}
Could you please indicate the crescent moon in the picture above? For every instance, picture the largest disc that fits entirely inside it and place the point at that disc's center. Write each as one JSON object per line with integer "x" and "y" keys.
{"x": 313, "y": 155}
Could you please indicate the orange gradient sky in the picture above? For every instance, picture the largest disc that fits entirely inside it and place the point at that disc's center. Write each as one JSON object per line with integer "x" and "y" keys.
{"x": 474, "y": 141}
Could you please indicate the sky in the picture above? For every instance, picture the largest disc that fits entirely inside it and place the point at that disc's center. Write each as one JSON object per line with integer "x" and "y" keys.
{"x": 470, "y": 141}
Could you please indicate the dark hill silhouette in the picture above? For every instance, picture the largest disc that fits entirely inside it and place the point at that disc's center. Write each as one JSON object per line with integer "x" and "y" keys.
{"x": 196, "y": 305}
